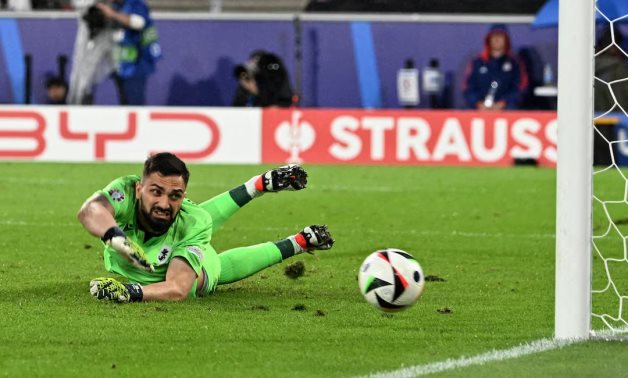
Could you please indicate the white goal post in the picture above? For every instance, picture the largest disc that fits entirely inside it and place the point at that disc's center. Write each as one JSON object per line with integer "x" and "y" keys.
{"x": 574, "y": 169}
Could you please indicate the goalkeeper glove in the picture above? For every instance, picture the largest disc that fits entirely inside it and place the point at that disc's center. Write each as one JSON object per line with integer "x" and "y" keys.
{"x": 290, "y": 177}
{"x": 116, "y": 239}
{"x": 110, "y": 289}
{"x": 315, "y": 237}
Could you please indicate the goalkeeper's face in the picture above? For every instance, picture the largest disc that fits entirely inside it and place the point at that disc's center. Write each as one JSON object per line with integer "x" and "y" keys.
{"x": 160, "y": 198}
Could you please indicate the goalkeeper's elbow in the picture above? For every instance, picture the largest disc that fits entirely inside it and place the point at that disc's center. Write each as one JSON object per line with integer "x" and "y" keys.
{"x": 81, "y": 215}
{"x": 88, "y": 210}
{"x": 177, "y": 294}
{"x": 179, "y": 297}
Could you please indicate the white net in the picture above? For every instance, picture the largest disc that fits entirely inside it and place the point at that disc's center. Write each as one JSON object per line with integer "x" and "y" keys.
{"x": 610, "y": 177}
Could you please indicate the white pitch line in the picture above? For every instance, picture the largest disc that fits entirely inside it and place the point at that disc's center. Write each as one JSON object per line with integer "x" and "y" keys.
{"x": 537, "y": 346}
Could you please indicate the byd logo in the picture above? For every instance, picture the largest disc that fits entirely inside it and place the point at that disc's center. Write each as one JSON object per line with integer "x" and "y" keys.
{"x": 18, "y": 127}
{"x": 36, "y": 134}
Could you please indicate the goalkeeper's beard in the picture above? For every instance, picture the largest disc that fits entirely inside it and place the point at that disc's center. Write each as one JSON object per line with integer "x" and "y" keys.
{"x": 155, "y": 225}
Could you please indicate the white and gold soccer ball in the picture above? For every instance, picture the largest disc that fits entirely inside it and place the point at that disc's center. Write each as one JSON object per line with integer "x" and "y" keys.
{"x": 391, "y": 279}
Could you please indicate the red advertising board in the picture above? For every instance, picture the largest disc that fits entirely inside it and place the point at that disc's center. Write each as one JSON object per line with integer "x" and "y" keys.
{"x": 407, "y": 137}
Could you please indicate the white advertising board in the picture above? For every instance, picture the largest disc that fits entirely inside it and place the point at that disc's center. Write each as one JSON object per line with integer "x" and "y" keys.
{"x": 130, "y": 134}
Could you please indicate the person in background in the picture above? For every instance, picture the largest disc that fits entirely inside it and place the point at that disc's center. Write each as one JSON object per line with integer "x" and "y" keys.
{"x": 246, "y": 92}
{"x": 136, "y": 48}
{"x": 56, "y": 91}
{"x": 496, "y": 79}
{"x": 92, "y": 59}
{"x": 263, "y": 81}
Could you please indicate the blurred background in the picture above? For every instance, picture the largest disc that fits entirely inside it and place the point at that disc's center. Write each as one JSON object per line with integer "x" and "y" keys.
{"x": 497, "y": 59}
{"x": 337, "y": 53}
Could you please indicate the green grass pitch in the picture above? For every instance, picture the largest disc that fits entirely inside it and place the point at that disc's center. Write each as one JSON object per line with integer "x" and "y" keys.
{"x": 489, "y": 233}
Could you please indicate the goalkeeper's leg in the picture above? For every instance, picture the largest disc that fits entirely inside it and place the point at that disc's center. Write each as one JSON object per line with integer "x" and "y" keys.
{"x": 239, "y": 263}
{"x": 223, "y": 206}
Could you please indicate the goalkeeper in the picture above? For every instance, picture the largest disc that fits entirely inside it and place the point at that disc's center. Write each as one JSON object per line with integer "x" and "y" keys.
{"x": 160, "y": 240}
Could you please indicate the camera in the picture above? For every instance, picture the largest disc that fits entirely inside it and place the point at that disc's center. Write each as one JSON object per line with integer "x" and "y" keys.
{"x": 95, "y": 20}
{"x": 241, "y": 72}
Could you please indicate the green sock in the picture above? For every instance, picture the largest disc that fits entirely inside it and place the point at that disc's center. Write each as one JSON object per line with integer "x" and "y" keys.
{"x": 290, "y": 246}
{"x": 224, "y": 205}
{"x": 221, "y": 208}
{"x": 242, "y": 262}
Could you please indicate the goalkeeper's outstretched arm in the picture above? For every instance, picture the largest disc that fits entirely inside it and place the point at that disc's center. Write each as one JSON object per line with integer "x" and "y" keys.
{"x": 96, "y": 215}
{"x": 177, "y": 286}
{"x": 179, "y": 281}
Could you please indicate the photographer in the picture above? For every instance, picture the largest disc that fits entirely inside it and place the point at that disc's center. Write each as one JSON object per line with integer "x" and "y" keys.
{"x": 263, "y": 81}
{"x": 92, "y": 59}
{"x": 136, "y": 50}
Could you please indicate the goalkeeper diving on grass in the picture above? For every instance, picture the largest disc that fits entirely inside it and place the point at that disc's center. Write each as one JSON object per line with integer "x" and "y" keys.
{"x": 161, "y": 241}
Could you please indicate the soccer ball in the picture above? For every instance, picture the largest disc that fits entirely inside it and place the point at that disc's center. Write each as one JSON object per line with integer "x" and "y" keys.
{"x": 391, "y": 279}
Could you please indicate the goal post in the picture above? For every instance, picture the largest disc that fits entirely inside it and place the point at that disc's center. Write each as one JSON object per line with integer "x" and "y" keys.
{"x": 576, "y": 32}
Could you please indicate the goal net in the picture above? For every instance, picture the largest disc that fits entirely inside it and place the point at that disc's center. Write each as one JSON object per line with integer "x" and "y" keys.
{"x": 609, "y": 299}
{"x": 592, "y": 183}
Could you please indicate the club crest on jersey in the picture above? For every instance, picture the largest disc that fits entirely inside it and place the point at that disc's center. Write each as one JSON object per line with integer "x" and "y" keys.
{"x": 198, "y": 252}
{"x": 163, "y": 255}
{"x": 116, "y": 195}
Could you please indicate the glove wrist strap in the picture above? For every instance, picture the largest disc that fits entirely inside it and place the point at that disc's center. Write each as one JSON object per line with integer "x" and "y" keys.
{"x": 136, "y": 294}
{"x": 110, "y": 233}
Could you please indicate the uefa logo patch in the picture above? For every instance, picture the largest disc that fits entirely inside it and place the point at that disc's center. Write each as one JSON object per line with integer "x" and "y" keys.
{"x": 116, "y": 195}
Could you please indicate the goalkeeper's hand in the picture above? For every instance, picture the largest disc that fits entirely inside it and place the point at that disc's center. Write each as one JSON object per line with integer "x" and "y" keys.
{"x": 116, "y": 239}
{"x": 288, "y": 177}
{"x": 110, "y": 289}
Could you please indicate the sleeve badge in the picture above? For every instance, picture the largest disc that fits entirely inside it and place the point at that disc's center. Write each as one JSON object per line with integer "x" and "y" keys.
{"x": 116, "y": 195}
{"x": 197, "y": 251}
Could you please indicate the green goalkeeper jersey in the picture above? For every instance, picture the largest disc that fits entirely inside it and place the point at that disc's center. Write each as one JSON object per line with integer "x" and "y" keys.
{"x": 187, "y": 238}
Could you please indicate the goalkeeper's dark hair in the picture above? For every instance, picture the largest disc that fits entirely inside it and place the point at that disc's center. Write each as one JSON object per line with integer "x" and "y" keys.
{"x": 166, "y": 164}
